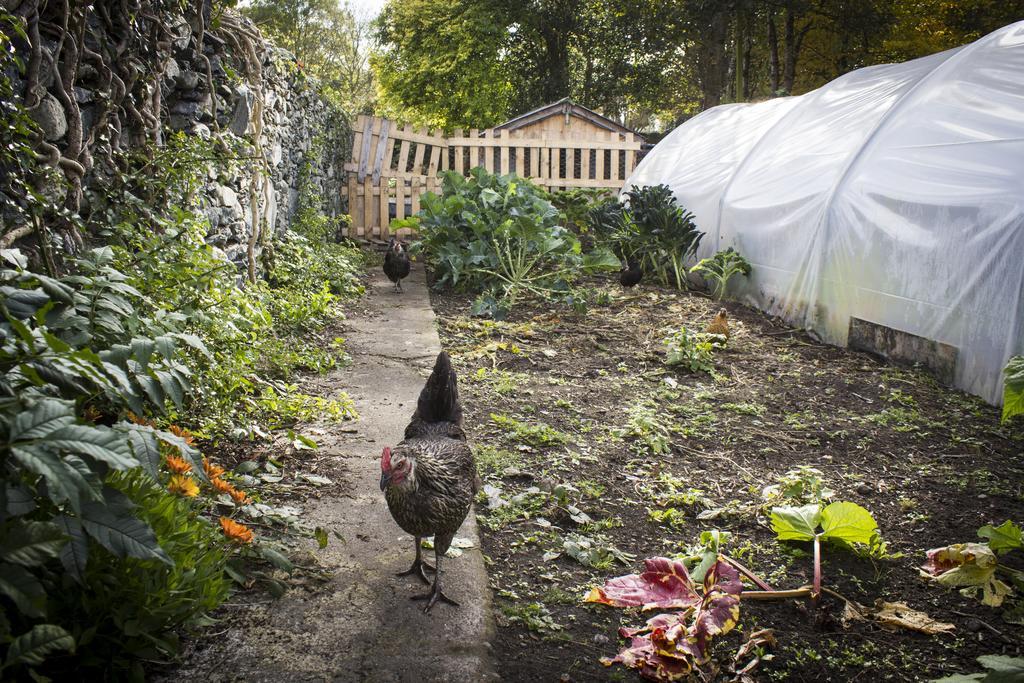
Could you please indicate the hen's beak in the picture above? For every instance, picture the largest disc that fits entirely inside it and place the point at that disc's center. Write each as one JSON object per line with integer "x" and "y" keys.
{"x": 385, "y": 479}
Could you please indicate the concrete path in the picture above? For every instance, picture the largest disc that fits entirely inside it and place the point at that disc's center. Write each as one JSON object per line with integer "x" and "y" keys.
{"x": 362, "y": 626}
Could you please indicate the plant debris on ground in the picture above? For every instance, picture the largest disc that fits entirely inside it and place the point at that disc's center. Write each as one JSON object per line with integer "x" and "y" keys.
{"x": 595, "y": 452}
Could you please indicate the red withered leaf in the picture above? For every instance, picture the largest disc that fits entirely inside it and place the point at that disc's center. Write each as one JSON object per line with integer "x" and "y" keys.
{"x": 665, "y": 584}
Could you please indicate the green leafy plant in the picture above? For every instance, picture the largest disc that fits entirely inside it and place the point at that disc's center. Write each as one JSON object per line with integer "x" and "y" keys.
{"x": 720, "y": 268}
{"x": 499, "y": 236}
{"x": 841, "y": 522}
{"x": 651, "y": 230}
{"x": 1013, "y": 390}
{"x": 973, "y": 566}
{"x": 799, "y": 486}
{"x": 999, "y": 669}
{"x": 692, "y": 351}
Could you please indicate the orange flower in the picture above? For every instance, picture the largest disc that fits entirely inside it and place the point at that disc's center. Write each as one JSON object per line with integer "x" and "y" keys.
{"x": 221, "y": 485}
{"x": 212, "y": 471}
{"x": 235, "y": 531}
{"x": 182, "y": 485}
{"x": 132, "y": 417}
{"x": 178, "y": 465}
{"x": 239, "y": 497}
{"x": 183, "y": 433}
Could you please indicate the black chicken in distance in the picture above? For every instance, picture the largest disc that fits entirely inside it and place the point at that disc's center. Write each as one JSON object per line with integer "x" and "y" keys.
{"x": 631, "y": 275}
{"x": 396, "y": 263}
{"x": 429, "y": 480}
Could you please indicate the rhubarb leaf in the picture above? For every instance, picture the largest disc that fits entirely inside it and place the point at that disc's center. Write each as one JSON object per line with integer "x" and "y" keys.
{"x": 665, "y": 584}
{"x": 1006, "y": 536}
{"x": 848, "y": 522}
{"x": 796, "y": 523}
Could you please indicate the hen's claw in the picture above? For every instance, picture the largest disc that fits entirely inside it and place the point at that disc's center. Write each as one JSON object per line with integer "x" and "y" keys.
{"x": 432, "y": 597}
{"x": 420, "y": 569}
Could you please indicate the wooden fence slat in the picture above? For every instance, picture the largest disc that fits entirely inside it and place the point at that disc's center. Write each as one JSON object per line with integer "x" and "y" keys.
{"x": 353, "y": 223}
{"x": 630, "y": 158}
{"x": 488, "y": 153}
{"x": 368, "y": 205}
{"x": 364, "y": 153}
{"x": 414, "y": 190}
{"x": 403, "y": 153}
{"x": 421, "y": 148}
{"x": 505, "y": 168}
{"x": 382, "y": 146}
{"x": 385, "y": 193}
{"x": 459, "y": 163}
{"x": 399, "y": 199}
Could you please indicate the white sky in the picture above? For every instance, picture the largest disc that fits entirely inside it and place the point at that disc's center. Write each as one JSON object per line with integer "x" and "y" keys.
{"x": 365, "y": 9}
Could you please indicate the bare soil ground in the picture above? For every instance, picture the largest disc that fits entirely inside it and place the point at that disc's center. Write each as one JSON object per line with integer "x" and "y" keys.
{"x": 552, "y": 398}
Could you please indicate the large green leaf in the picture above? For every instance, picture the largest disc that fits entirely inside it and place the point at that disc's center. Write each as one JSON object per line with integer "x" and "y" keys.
{"x": 121, "y": 533}
{"x": 32, "y": 648}
{"x": 848, "y": 522}
{"x": 75, "y": 553}
{"x": 63, "y": 481}
{"x": 1006, "y": 536}
{"x": 793, "y": 523}
{"x": 40, "y": 419}
{"x": 144, "y": 445}
{"x": 31, "y": 543}
{"x": 99, "y": 443}
{"x": 1002, "y": 669}
{"x": 19, "y": 500}
{"x": 23, "y": 588}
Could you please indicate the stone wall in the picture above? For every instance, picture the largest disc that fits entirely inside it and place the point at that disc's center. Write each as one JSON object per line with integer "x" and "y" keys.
{"x": 261, "y": 104}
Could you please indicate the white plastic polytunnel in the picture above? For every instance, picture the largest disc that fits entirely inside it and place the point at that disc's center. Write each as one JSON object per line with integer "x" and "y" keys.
{"x": 893, "y": 194}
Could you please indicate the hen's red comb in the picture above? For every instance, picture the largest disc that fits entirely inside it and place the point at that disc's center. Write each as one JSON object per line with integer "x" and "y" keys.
{"x": 385, "y": 459}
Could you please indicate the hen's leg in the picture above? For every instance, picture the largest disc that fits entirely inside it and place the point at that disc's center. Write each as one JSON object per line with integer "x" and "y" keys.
{"x": 435, "y": 594}
{"x": 419, "y": 567}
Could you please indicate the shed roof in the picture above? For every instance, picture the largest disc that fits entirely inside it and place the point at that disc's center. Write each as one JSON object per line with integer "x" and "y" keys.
{"x": 561, "y": 107}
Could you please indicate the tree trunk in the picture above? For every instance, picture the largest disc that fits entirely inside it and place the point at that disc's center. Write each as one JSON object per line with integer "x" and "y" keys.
{"x": 773, "y": 55}
{"x": 739, "y": 64}
{"x": 714, "y": 62}
{"x": 790, "y": 54}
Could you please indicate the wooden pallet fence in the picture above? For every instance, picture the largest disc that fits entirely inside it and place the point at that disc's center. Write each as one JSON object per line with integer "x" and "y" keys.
{"x": 394, "y": 164}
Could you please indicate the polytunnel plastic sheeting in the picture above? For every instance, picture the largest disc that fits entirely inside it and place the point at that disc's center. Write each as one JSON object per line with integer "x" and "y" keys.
{"x": 894, "y": 194}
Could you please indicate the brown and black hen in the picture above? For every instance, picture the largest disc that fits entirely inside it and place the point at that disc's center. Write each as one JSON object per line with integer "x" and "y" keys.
{"x": 396, "y": 263}
{"x": 429, "y": 479}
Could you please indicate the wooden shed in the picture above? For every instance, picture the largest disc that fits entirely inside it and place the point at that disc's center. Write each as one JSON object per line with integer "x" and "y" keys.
{"x": 566, "y": 120}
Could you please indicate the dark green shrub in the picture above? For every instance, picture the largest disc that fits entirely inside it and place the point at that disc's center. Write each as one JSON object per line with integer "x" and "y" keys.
{"x": 498, "y": 236}
{"x": 651, "y": 229}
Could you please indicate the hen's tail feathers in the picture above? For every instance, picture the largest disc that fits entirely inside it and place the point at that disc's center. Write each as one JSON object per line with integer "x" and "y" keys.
{"x": 439, "y": 400}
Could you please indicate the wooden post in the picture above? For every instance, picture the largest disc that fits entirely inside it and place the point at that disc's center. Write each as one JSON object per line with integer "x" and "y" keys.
{"x": 414, "y": 192}
{"x": 459, "y": 162}
{"x": 489, "y": 151}
{"x": 368, "y": 206}
{"x": 352, "y": 208}
{"x": 631, "y": 156}
{"x": 385, "y": 220}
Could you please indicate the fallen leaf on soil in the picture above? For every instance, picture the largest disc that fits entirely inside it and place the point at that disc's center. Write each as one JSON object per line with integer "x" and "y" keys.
{"x": 756, "y": 643}
{"x": 666, "y": 585}
{"x": 972, "y": 565}
{"x": 895, "y": 615}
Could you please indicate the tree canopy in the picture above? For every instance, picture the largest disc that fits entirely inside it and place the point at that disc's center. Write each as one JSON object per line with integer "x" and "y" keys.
{"x": 328, "y": 40}
{"x": 650, "y": 63}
